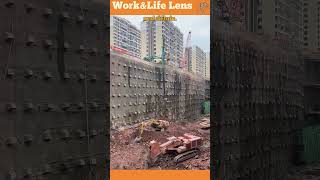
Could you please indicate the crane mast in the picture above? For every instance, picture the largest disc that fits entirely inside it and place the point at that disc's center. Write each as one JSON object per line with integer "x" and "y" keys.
{"x": 185, "y": 60}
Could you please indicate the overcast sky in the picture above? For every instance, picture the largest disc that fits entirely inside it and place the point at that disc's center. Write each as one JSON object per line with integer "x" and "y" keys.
{"x": 199, "y": 26}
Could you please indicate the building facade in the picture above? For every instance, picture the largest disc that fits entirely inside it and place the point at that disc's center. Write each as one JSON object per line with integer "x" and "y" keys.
{"x": 207, "y": 66}
{"x": 198, "y": 61}
{"x": 154, "y": 34}
{"x": 125, "y": 37}
{"x": 281, "y": 19}
{"x": 311, "y": 20}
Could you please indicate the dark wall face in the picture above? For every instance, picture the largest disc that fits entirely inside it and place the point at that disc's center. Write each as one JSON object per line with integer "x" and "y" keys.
{"x": 311, "y": 90}
{"x": 257, "y": 107}
{"x": 312, "y": 99}
{"x": 312, "y": 72}
{"x": 52, "y": 63}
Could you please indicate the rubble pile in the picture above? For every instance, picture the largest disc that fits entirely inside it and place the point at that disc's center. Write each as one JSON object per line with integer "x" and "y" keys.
{"x": 125, "y": 153}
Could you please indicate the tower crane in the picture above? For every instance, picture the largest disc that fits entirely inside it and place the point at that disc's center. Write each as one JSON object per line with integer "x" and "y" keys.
{"x": 184, "y": 64}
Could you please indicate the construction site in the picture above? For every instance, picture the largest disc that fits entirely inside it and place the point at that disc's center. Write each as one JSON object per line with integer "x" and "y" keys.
{"x": 158, "y": 107}
{"x": 129, "y": 150}
{"x": 169, "y": 112}
{"x": 257, "y": 117}
{"x": 265, "y": 106}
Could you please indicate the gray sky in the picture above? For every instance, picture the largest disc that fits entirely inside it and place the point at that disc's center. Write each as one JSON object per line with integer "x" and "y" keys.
{"x": 199, "y": 26}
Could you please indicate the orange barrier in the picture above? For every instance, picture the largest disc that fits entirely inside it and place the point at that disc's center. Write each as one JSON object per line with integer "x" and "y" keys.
{"x": 160, "y": 174}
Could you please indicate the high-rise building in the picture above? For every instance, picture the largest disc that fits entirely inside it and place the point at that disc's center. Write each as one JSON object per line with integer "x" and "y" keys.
{"x": 207, "y": 66}
{"x": 282, "y": 19}
{"x": 311, "y": 20}
{"x": 125, "y": 37}
{"x": 198, "y": 61}
{"x": 154, "y": 34}
{"x": 230, "y": 9}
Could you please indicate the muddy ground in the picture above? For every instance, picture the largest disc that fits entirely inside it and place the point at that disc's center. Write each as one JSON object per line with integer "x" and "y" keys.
{"x": 127, "y": 154}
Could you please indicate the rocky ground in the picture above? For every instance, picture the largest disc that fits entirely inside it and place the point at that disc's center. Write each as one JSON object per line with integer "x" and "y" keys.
{"x": 125, "y": 153}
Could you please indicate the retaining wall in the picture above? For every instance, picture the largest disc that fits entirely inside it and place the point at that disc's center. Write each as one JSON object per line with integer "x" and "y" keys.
{"x": 258, "y": 108}
{"x": 139, "y": 90}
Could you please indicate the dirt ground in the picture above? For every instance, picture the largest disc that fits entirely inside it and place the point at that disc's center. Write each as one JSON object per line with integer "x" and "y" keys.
{"x": 127, "y": 154}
